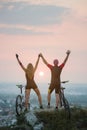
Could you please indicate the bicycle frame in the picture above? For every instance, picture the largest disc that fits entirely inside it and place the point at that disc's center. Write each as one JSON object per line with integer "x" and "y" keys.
{"x": 61, "y": 96}
{"x": 64, "y": 101}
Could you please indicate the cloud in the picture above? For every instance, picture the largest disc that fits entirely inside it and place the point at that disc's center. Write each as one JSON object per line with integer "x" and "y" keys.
{"x": 1, "y": 6}
{"x": 32, "y": 14}
{"x": 10, "y": 7}
{"x": 42, "y": 12}
{"x": 80, "y": 6}
{"x": 24, "y": 29}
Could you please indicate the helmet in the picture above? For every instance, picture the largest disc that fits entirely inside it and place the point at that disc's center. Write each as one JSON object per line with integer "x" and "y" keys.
{"x": 55, "y": 62}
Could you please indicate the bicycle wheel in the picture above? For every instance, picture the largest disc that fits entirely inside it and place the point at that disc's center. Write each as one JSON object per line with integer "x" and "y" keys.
{"x": 67, "y": 108}
{"x": 19, "y": 105}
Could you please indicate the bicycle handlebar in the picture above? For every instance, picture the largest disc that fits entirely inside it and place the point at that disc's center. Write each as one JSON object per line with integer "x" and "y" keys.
{"x": 64, "y": 81}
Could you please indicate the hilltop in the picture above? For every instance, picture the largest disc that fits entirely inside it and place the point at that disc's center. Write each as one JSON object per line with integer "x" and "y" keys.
{"x": 51, "y": 120}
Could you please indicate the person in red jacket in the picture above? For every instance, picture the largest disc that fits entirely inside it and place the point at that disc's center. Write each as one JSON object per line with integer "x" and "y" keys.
{"x": 29, "y": 74}
{"x": 55, "y": 77}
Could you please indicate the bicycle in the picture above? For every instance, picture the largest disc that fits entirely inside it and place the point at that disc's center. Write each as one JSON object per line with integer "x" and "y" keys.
{"x": 20, "y": 103}
{"x": 64, "y": 102}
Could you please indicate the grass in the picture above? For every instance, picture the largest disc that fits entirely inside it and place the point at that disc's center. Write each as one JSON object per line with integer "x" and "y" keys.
{"x": 56, "y": 120}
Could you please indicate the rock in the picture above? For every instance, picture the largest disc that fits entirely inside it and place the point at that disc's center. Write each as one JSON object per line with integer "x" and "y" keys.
{"x": 38, "y": 126}
{"x": 33, "y": 121}
{"x": 27, "y": 121}
{"x": 31, "y": 118}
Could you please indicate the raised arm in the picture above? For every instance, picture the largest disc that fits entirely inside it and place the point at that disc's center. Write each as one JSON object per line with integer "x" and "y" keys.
{"x": 44, "y": 60}
{"x": 36, "y": 63}
{"x": 66, "y": 58}
{"x": 17, "y": 57}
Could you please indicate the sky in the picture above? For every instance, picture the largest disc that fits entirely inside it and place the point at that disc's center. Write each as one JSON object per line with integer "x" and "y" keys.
{"x": 50, "y": 27}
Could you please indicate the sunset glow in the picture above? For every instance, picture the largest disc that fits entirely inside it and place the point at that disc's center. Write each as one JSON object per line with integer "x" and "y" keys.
{"x": 30, "y": 27}
{"x": 41, "y": 73}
